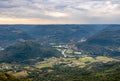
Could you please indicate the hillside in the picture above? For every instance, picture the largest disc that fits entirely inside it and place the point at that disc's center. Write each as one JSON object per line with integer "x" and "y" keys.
{"x": 109, "y": 36}
{"x": 106, "y": 42}
{"x": 9, "y": 34}
{"x": 7, "y": 77}
{"x": 26, "y": 52}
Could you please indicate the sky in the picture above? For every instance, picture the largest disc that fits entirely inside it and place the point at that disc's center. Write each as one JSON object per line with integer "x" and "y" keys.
{"x": 59, "y": 11}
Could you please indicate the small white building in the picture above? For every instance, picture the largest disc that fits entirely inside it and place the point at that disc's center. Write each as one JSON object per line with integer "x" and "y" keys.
{"x": 1, "y": 48}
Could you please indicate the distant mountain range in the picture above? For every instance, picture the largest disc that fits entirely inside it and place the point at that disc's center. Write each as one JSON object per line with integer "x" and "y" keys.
{"x": 61, "y": 33}
{"x": 47, "y": 33}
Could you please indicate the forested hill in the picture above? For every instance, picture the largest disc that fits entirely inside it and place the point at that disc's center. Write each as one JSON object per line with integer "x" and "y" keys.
{"x": 109, "y": 36}
{"x": 24, "y": 52}
{"x": 9, "y": 35}
{"x": 106, "y": 42}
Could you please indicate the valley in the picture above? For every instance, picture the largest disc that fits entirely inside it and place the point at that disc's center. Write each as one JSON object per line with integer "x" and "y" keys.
{"x": 60, "y": 52}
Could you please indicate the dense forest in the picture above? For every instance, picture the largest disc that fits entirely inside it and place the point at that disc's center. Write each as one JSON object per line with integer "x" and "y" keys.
{"x": 22, "y": 52}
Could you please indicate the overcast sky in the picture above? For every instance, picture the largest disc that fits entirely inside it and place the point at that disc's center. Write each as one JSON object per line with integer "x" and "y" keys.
{"x": 60, "y": 11}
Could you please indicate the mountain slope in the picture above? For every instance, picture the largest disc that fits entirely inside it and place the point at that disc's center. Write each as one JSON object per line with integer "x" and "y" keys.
{"x": 110, "y": 36}
{"x": 9, "y": 34}
{"x": 23, "y": 52}
{"x": 107, "y": 42}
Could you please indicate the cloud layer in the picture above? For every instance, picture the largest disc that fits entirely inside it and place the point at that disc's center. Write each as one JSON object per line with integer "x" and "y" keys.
{"x": 60, "y": 11}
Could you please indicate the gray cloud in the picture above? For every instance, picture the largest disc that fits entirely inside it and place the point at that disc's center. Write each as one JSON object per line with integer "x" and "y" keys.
{"x": 72, "y": 11}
